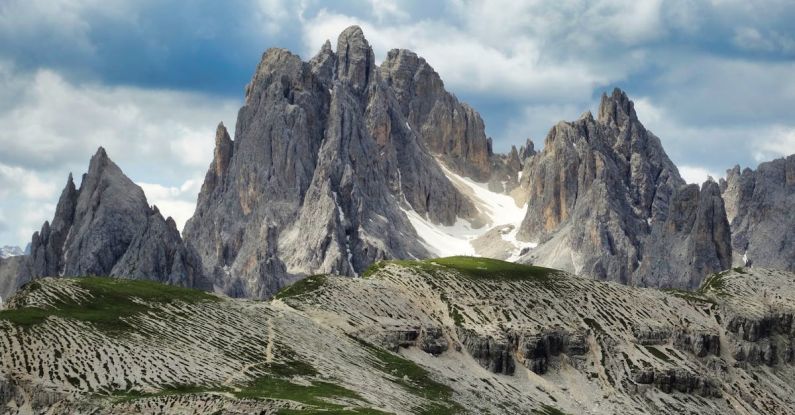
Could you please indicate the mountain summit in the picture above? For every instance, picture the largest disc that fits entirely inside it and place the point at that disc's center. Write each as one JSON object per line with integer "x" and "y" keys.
{"x": 107, "y": 228}
{"x": 605, "y": 200}
{"x": 336, "y": 163}
{"x": 327, "y": 157}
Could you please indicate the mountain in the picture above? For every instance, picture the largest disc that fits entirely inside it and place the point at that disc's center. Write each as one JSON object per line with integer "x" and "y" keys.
{"x": 337, "y": 163}
{"x": 456, "y": 335}
{"x": 329, "y": 159}
{"x": 759, "y": 207}
{"x": 9, "y": 251}
{"x": 604, "y": 200}
{"x": 106, "y": 227}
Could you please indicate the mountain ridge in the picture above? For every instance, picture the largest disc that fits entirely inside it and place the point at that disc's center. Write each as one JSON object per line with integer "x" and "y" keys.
{"x": 336, "y": 163}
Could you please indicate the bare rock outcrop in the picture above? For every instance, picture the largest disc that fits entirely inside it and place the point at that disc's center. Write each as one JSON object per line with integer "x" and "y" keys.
{"x": 759, "y": 207}
{"x": 322, "y": 162}
{"x": 107, "y": 228}
{"x": 603, "y": 198}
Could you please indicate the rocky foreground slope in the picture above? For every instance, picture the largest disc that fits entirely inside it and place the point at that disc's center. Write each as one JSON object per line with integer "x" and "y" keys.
{"x": 455, "y": 335}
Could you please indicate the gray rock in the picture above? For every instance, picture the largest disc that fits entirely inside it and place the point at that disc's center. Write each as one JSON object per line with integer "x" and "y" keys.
{"x": 106, "y": 228}
{"x": 604, "y": 199}
{"x": 536, "y": 351}
{"x": 9, "y": 276}
{"x": 448, "y": 127}
{"x": 492, "y": 354}
{"x": 322, "y": 162}
{"x": 679, "y": 380}
{"x": 527, "y": 150}
{"x": 759, "y": 207}
{"x": 700, "y": 343}
{"x": 691, "y": 243}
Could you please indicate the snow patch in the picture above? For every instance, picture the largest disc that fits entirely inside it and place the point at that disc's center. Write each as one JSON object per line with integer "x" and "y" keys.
{"x": 347, "y": 237}
{"x": 498, "y": 209}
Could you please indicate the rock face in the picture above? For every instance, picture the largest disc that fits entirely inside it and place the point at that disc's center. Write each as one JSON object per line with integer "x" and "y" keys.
{"x": 691, "y": 243}
{"x": 448, "y": 127}
{"x": 759, "y": 207}
{"x": 603, "y": 198}
{"x": 324, "y": 158}
{"x": 451, "y": 130}
{"x": 107, "y": 228}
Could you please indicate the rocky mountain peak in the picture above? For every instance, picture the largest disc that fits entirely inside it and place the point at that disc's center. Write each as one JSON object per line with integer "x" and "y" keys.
{"x": 355, "y": 58}
{"x": 600, "y": 189}
{"x": 107, "y": 228}
{"x": 223, "y": 150}
{"x": 616, "y": 109}
{"x": 759, "y": 207}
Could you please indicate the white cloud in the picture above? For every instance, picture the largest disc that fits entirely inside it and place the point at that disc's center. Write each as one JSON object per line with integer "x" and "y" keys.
{"x": 54, "y": 126}
{"x": 780, "y": 144}
{"x": 464, "y": 61}
{"x": 25, "y": 182}
{"x": 179, "y": 202}
{"x": 697, "y": 175}
{"x": 750, "y": 38}
{"x": 54, "y": 121}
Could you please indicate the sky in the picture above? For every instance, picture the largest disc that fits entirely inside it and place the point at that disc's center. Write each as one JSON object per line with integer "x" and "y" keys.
{"x": 150, "y": 79}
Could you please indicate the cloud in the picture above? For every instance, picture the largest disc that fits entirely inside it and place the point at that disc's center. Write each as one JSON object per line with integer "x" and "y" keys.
{"x": 55, "y": 122}
{"x": 713, "y": 147}
{"x": 780, "y": 144}
{"x": 54, "y": 126}
{"x": 179, "y": 202}
{"x": 697, "y": 175}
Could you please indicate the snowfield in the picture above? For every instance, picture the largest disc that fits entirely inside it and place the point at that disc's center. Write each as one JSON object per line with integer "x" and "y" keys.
{"x": 497, "y": 209}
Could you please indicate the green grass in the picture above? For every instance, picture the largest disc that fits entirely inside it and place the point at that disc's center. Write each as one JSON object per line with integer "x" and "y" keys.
{"x": 416, "y": 380}
{"x": 692, "y": 296}
{"x": 548, "y": 410}
{"x": 111, "y": 301}
{"x": 475, "y": 268}
{"x": 304, "y": 286}
{"x": 270, "y": 387}
{"x": 374, "y": 268}
{"x": 715, "y": 283}
{"x": 658, "y": 353}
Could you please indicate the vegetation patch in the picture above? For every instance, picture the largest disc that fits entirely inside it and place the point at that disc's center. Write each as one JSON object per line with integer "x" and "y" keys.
{"x": 715, "y": 283}
{"x": 301, "y": 287}
{"x": 131, "y": 395}
{"x": 690, "y": 296}
{"x": 416, "y": 380}
{"x": 548, "y": 410}
{"x": 476, "y": 268}
{"x": 493, "y": 269}
{"x": 111, "y": 301}
{"x": 658, "y": 353}
{"x": 374, "y": 268}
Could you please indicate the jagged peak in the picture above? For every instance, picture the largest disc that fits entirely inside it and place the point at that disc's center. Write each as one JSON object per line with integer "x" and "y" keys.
{"x": 221, "y": 134}
{"x": 617, "y": 108}
{"x": 351, "y": 34}
{"x": 355, "y": 58}
{"x": 98, "y": 161}
{"x": 326, "y": 46}
{"x": 70, "y": 182}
